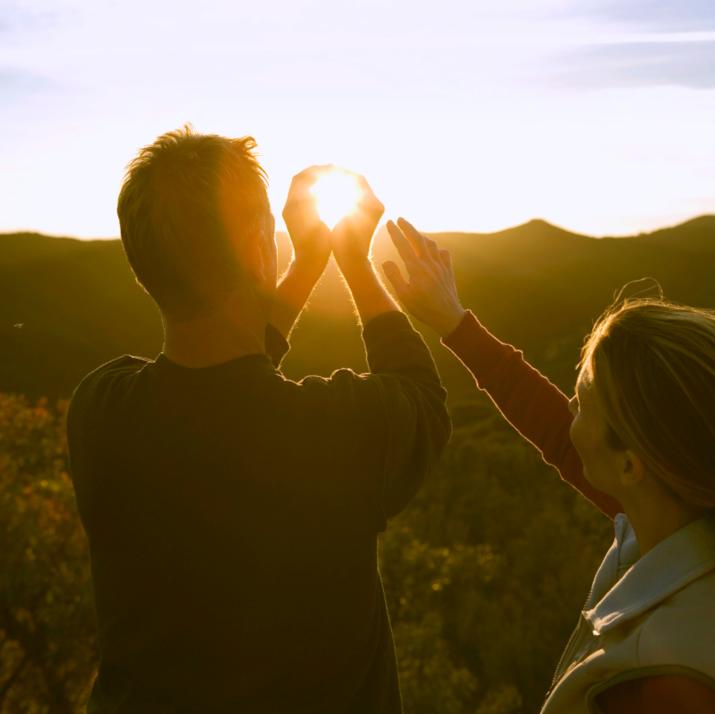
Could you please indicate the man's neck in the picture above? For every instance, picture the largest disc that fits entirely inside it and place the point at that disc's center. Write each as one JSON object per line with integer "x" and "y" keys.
{"x": 214, "y": 339}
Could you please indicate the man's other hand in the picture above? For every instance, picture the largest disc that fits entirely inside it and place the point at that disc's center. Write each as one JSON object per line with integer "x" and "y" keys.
{"x": 309, "y": 235}
{"x": 352, "y": 236}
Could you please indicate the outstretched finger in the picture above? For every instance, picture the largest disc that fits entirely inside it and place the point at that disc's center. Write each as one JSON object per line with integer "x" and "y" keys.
{"x": 368, "y": 201}
{"x": 311, "y": 174}
{"x": 395, "y": 277}
{"x": 446, "y": 258}
{"x": 301, "y": 185}
{"x": 403, "y": 246}
{"x": 415, "y": 237}
{"x": 432, "y": 249}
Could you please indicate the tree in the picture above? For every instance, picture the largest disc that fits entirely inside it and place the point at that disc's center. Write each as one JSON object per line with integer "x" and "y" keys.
{"x": 485, "y": 573}
{"x": 47, "y": 643}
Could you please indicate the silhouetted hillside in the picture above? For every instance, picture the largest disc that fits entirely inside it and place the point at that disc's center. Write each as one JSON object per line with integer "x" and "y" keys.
{"x": 479, "y": 598}
{"x": 68, "y": 305}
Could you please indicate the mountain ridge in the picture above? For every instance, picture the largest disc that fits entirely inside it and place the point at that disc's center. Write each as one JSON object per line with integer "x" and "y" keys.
{"x": 533, "y": 226}
{"x": 535, "y": 285}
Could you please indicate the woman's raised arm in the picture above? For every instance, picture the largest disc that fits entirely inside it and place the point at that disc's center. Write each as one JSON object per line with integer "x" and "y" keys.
{"x": 534, "y": 406}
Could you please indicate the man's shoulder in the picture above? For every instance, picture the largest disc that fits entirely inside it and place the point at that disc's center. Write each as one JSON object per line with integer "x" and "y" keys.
{"x": 126, "y": 364}
{"x": 93, "y": 382}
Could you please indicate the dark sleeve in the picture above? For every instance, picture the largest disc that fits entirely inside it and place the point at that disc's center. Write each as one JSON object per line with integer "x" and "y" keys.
{"x": 85, "y": 427}
{"x": 276, "y": 345}
{"x": 534, "y": 406}
{"x": 77, "y": 417}
{"x": 416, "y": 424}
{"x": 392, "y": 423}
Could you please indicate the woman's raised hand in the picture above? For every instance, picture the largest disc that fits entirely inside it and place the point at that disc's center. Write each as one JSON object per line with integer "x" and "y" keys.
{"x": 430, "y": 293}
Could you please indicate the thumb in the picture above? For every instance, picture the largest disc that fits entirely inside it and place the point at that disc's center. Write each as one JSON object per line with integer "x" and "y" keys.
{"x": 395, "y": 277}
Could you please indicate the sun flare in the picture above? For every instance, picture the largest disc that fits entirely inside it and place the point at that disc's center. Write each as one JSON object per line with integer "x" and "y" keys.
{"x": 337, "y": 194}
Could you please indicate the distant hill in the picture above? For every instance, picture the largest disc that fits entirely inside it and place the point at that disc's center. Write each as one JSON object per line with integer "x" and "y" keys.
{"x": 67, "y": 305}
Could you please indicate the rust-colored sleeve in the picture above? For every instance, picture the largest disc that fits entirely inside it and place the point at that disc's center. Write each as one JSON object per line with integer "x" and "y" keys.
{"x": 662, "y": 694}
{"x": 534, "y": 406}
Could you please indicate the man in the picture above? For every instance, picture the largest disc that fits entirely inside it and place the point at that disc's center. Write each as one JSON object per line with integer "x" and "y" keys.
{"x": 233, "y": 514}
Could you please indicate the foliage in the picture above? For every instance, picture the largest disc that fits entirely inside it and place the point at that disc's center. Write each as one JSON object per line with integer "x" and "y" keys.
{"x": 484, "y": 573}
{"x": 486, "y": 570}
{"x": 47, "y": 646}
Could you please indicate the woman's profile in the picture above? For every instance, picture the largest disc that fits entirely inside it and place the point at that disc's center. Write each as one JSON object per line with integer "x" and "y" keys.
{"x": 638, "y": 440}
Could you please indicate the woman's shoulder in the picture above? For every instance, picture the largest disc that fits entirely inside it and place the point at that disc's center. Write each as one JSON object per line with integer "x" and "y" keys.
{"x": 682, "y": 628}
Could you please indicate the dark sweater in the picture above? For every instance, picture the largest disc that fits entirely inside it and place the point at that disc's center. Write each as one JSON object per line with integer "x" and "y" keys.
{"x": 232, "y": 517}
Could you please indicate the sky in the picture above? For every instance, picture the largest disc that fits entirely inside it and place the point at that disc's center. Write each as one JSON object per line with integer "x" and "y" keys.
{"x": 474, "y": 115}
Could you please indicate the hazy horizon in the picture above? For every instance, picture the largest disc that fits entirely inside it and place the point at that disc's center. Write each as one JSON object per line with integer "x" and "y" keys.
{"x": 382, "y": 229}
{"x": 473, "y": 117}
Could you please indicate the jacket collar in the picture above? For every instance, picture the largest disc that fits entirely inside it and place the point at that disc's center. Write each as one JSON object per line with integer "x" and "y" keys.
{"x": 676, "y": 561}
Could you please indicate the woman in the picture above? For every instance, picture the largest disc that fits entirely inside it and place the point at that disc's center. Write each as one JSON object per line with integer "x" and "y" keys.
{"x": 637, "y": 439}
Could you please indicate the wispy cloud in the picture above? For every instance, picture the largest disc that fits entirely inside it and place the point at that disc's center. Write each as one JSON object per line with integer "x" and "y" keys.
{"x": 658, "y": 38}
{"x": 21, "y": 19}
{"x": 463, "y": 88}
{"x": 640, "y": 60}
{"x": 670, "y": 15}
{"x": 16, "y": 82}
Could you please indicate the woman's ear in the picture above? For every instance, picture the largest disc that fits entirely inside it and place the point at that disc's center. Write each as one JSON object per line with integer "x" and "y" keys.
{"x": 632, "y": 469}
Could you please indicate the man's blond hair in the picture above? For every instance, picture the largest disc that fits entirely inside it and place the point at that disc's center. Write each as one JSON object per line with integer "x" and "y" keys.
{"x": 187, "y": 201}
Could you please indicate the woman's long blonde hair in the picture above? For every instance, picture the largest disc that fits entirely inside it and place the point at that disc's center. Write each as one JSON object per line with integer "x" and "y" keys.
{"x": 652, "y": 366}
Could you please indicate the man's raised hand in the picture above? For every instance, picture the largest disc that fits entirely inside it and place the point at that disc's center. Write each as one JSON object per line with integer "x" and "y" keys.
{"x": 309, "y": 235}
{"x": 352, "y": 236}
{"x": 311, "y": 252}
{"x": 430, "y": 293}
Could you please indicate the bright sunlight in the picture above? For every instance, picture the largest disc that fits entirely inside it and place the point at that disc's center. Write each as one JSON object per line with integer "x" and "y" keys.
{"x": 336, "y": 195}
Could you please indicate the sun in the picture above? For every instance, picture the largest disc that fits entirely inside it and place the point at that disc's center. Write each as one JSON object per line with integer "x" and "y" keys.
{"x": 337, "y": 194}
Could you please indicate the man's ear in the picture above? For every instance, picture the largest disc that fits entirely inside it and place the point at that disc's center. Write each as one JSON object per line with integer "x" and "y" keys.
{"x": 269, "y": 252}
{"x": 632, "y": 469}
{"x": 254, "y": 260}
{"x": 260, "y": 254}
{"x": 253, "y": 253}
{"x": 270, "y": 226}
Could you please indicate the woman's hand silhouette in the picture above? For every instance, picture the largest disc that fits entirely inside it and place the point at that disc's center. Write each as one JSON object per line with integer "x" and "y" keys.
{"x": 430, "y": 294}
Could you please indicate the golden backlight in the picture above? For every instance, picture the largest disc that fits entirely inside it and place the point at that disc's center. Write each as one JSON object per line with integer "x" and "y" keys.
{"x": 337, "y": 194}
